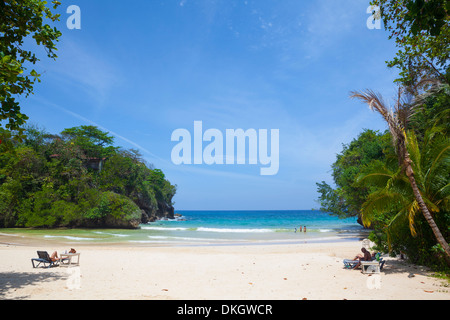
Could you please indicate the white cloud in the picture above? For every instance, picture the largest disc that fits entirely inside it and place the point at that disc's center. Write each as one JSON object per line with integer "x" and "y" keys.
{"x": 88, "y": 121}
{"x": 320, "y": 27}
{"x": 87, "y": 68}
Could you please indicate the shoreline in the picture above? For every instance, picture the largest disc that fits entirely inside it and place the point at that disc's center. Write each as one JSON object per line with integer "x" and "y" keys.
{"x": 311, "y": 271}
{"x": 20, "y": 239}
{"x": 208, "y": 228}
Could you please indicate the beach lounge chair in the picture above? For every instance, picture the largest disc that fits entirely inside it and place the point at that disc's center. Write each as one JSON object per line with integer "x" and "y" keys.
{"x": 373, "y": 266}
{"x": 350, "y": 264}
{"x": 45, "y": 259}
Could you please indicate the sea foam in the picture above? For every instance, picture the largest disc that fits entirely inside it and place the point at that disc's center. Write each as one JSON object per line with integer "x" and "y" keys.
{"x": 228, "y": 230}
{"x": 71, "y": 238}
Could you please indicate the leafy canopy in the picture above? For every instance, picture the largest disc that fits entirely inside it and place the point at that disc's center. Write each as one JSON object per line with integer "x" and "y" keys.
{"x": 347, "y": 198}
{"x": 92, "y": 140}
{"x": 421, "y": 30}
{"x": 20, "y": 20}
{"x": 47, "y": 181}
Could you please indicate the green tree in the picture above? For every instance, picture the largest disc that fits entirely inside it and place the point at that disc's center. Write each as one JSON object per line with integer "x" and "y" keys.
{"x": 113, "y": 209}
{"x": 125, "y": 173}
{"x": 331, "y": 200}
{"x": 393, "y": 198}
{"x": 421, "y": 30}
{"x": 19, "y": 20}
{"x": 397, "y": 122}
{"x": 93, "y": 141}
{"x": 45, "y": 182}
{"x": 431, "y": 109}
{"x": 346, "y": 200}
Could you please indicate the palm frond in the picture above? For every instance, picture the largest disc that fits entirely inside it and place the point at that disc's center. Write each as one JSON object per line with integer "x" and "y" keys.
{"x": 381, "y": 201}
{"x": 413, "y": 208}
{"x": 380, "y": 175}
{"x": 442, "y": 158}
{"x": 415, "y": 155}
{"x": 436, "y": 160}
{"x": 397, "y": 222}
{"x": 376, "y": 174}
{"x": 444, "y": 192}
{"x": 376, "y": 202}
{"x": 376, "y": 103}
{"x": 403, "y": 108}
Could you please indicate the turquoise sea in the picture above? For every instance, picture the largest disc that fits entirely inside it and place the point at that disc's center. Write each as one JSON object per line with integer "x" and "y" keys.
{"x": 213, "y": 228}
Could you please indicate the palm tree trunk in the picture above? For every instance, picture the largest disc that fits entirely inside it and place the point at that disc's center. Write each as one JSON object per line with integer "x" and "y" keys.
{"x": 426, "y": 213}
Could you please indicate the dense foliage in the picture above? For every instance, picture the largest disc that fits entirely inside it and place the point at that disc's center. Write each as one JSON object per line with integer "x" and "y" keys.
{"x": 402, "y": 192}
{"x": 346, "y": 200}
{"x": 20, "y": 20}
{"x": 421, "y": 31}
{"x": 392, "y": 208}
{"x": 77, "y": 179}
{"x": 372, "y": 185}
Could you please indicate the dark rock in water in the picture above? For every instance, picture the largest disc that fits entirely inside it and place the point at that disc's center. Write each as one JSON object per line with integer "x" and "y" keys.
{"x": 179, "y": 217}
{"x": 164, "y": 211}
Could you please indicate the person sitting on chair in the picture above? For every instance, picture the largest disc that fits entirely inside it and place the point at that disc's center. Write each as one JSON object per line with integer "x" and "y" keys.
{"x": 367, "y": 257}
{"x": 54, "y": 256}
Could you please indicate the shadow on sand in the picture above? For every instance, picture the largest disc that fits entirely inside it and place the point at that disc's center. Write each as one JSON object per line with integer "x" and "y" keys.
{"x": 395, "y": 265}
{"x": 11, "y": 281}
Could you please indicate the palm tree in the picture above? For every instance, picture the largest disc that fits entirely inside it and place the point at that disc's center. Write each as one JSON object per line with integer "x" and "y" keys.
{"x": 393, "y": 190}
{"x": 397, "y": 126}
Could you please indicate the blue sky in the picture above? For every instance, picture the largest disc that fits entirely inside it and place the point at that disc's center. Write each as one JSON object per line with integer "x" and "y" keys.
{"x": 142, "y": 69}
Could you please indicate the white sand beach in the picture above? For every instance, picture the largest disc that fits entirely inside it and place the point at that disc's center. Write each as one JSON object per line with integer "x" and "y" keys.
{"x": 311, "y": 271}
